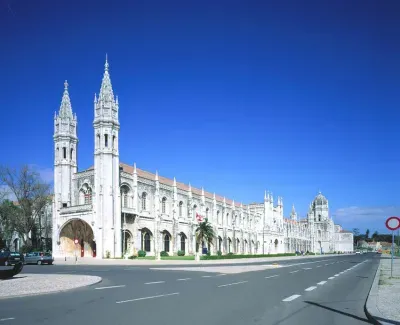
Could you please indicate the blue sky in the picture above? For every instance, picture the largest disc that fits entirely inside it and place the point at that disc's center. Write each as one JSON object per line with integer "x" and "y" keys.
{"x": 235, "y": 96}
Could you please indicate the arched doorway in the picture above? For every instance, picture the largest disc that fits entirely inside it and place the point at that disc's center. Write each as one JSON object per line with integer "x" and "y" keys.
{"x": 80, "y": 230}
{"x": 127, "y": 250}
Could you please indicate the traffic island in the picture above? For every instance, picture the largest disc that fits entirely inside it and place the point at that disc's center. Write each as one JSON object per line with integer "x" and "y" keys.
{"x": 26, "y": 284}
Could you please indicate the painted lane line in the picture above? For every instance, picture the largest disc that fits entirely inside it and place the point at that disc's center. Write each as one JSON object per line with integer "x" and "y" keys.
{"x": 145, "y": 298}
{"x": 319, "y": 265}
{"x": 221, "y": 274}
{"x": 155, "y": 282}
{"x": 206, "y": 276}
{"x": 307, "y": 268}
{"x": 326, "y": 264}
{"x": 6, "y": 319}
{"x": 336, "y": 274}
{"x": 322, "y": 283}
{"x": 310, "y": 289}
{"x": 110, "y": 287}
{"x": 272, "y": 276}
{"x": 231, "y": 284}
{"x": 295, "y": 271}
{"x": 183, "y": 279}
{"x": 331, "y": 278}
{"x": 291, "y": 298}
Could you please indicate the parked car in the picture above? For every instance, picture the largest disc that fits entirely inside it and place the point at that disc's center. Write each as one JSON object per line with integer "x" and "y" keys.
{"x": 358, "y": 252}
{"x": 39, "y": 258}
{"x": 10, "y": 258}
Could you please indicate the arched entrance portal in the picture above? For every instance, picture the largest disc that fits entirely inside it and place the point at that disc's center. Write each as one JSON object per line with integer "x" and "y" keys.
{"x": 80, "y": 230}
{"x": 128, "y": 243}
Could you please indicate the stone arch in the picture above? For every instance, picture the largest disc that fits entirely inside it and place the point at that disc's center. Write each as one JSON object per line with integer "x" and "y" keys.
{"x": 127, "y": 242}
{"x": 126, "y": 191}
{"x": 183, "y": 241}
{"x": 166, "y": 241}
{"x": 83, "y": 232}
{"x": 146, "y": 240}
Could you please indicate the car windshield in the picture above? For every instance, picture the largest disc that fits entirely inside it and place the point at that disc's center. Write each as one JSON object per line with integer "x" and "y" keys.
{"x": 14, "y": 254}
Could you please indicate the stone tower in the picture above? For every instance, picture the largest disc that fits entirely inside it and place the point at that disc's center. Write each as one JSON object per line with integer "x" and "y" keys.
{"x": 106, "y": 170}
{"x": 65, "y": 149}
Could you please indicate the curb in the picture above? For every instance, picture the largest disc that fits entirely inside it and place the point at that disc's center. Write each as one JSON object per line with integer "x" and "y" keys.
{"x": 370, "y": 307}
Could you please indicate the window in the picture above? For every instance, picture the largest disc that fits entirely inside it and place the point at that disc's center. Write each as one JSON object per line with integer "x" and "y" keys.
{"x": 144, "y": 198}
{"x": 146, "y": 242}
{"x": 163, "y": 205}
{"x": 88, "y": 196}
{"x": 180, "y": 208}
{"x": 64, "y": 205}
{"x": 218, "y": 218}
{"x": 207, "y": 212}
{"x": 166, "y": 242}
{"x": 113, "y": 141}
{"x": 124, "y": 196}
{"x": 72, "y": 154}
{"x": 106, "y": 140}
{"x": 64, "y": 152}
{"x": 98, "y": 141}
{"x": 319, "y": 217}
{"x": 58, "y": 153}
{"x": 183, "y": 242}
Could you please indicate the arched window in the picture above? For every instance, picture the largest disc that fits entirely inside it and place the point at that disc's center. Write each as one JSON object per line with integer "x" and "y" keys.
{"x": 218, "y": 218}
{"x": 85, "y": 194}
{"x": 144, "y": 199}
{"x": 207, "y": 210}
{"x": 219, "y": 244}
{"x": 98, "y": 141}
{"x": 58, "y": 153}
{"x": 180, "y": 208}
{"x": 229, "y": 245}
{"x": 106, "y": 140}
{"x": 64, "y": 152}
{"x": 146, "y": 241}
{"x": 72, "y": 154}
{"x": 183, "y": 242}
{"x": 125, "y": 196}
{"x": 164, "y": 205}
{"x": 113, "y": 142}
{"x": 319, "y": 217}
{"x": 167, "y": 239}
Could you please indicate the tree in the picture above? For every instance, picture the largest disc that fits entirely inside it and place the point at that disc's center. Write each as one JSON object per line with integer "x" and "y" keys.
{"x": 375, "y": 235}
{"x": 356, "y": 232}
{"x": 8, "y": 214}
{"x": 367, "y": 234}
{"x": 204, "y": 233}
{"x": 32, "y": 195}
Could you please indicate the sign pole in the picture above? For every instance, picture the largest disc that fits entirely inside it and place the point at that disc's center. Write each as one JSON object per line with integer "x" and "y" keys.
{"x": 391, "y": 267}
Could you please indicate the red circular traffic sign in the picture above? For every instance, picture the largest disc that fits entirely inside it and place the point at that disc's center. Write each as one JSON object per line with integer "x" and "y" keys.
{"x": 393, "y": 223}
{"x": 76, "y": 241}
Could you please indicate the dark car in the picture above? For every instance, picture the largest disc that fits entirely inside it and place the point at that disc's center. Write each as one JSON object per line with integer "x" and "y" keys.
{"x": 10, "y": 258}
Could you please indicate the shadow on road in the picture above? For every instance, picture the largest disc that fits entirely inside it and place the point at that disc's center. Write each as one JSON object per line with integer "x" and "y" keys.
{"x": 338, "y": 311}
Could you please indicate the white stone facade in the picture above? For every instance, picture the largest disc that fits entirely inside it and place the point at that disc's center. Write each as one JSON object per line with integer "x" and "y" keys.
{"x": 114, "y": 209}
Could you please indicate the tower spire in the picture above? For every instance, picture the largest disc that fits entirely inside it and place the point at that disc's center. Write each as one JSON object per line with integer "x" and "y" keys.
{"x": 65, "y": 107}
{"x": 106, "y": 92}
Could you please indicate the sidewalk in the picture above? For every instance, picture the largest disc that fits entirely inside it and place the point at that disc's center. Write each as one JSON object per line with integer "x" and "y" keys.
{"x": 136, "y": 262}
{"x": 382, "y": 305}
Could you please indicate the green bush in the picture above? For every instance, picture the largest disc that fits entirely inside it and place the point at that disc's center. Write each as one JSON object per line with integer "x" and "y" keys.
{"x": 132, "y": 257}
{"x": 164, "y": 253}
{"x": 108, "y": 254}
{"x": 181, "y": 253}
{"x": 141, "y": 253}
{"x": 219, "y": 253}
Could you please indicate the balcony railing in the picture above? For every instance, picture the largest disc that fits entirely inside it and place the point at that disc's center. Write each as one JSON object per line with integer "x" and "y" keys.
{"x": 76, "y": 209}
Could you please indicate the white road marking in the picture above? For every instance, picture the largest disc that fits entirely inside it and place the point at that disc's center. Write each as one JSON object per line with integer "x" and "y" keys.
{"x": 326, "y": 264}
{"x": 341, "y": 272}
{"x": 332, "y": 277}
{"x": 291, "y": 298}
{"x": 310, "y": 289}
{"x": 183, "y": 279}
{"x": 307, "y": 268}
{"x": 6, "y": 319}
{"x": 321, "y": 283}
{"x": 221, "y": 274}
{"x": 272, "y": 276}
{"x": 319, "y": 265}
{"x": 295, "y": 271}
{"x": 155, "y": 282}
{"x": 110, "y": 287}
{"x": 206, "y": 276}
{"x": 145, "y": 298}
{"x": 336, "y": 274}
{"x": 231, "y": 284}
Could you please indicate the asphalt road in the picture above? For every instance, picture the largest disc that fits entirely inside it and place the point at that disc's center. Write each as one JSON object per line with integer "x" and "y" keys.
{"x": 317, "y": 291}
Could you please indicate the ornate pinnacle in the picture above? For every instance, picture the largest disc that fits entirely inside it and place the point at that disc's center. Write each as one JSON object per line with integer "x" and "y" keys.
{"x": 65, "y": 85}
